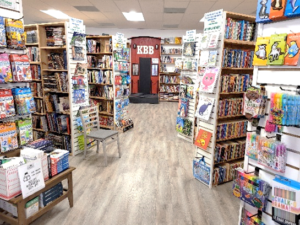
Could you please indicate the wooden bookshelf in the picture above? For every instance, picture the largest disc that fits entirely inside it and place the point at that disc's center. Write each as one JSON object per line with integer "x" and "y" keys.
{"x": 106, "y": 113}
{"x": 101, "y": 98}
{"x": 99, "y": 53}
{"x": 100, "y": 84}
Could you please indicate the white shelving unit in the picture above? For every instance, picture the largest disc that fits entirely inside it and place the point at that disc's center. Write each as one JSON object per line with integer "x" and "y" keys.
{"x": 275, "y": 77}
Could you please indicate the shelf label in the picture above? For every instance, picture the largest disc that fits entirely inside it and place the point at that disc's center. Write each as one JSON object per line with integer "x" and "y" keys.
{"x": 213, "y": 21}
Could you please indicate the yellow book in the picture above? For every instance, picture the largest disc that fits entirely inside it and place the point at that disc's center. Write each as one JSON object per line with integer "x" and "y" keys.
{"x": 261, "y": 54}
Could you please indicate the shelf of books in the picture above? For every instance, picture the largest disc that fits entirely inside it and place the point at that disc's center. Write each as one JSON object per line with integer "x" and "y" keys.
{"x": 225, "y": 72}
{"x": 17, "y": 102}
{"x": 169, "y": 80}
{"x": 187, "y": 64}
{"x": 109, "y": 78}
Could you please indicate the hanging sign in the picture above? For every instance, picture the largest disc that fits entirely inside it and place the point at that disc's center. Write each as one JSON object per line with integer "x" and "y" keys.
{"x": 190, "y": 35}
{"x": 76, "y": 25}
{"x": 31, "y": 177}
{"x": 213, "y": 21}
{"x": 10, "y": 4}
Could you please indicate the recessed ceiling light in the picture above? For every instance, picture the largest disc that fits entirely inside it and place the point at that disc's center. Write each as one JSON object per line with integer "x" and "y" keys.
{"x": 134, "y": 16}
{"x": 56, "y": 14}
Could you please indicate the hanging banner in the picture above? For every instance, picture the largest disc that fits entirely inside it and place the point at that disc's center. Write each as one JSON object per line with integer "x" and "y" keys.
{"x": 76, "y": 25}
{"x": 31, "y": 177}
{"x": 190, "y": 35}
{"x": 213, "y": 21}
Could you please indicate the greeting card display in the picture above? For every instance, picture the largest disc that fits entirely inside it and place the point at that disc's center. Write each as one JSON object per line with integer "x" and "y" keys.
{"x": 276, "y": 49}
{"x": 204, "y": 41}
{"x": 261, "y": 53}
{"x": 204, "y": 107}
{"x": 277, "y": 9}
{"x": 209, "y": 79}
{"x": 203, "y": 139}
{"x": 263, "y": 11}
{"x": 292, "y": 51}
{"x": 292, "y": 8}
{"x": 212, "y": 60}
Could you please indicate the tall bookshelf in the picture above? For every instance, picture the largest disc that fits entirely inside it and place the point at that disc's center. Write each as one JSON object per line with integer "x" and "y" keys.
{"x": 214, "y": 120}
{"x": 168, "y": 70}
{"x": 105, "y": 49}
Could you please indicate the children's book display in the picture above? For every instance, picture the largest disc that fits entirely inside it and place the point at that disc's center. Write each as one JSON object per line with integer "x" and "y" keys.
{"x": 239, "y": 30}
{"x": 285, "y": 203}
{"x": 209, "y": 80}
{"x": 24, "y": 101}
{"x": 183, "y": 107}
{"x": 77, "y": 43}
{"x": 203, "y": 139}
{"x": 201, "y": 171}
{"x": 8, "y": 137}
{"x": 204, "y": 58}
{"x": 251, "y": 189}
{"x": 236, "y": 58}
{"x": 230, "y": 107}
{"x": 225, "y": 172}
{"x": 204, "y": 108}
{"x": 229, "y": 150}
{"x": 255, "y": 100}
{"x": 276, "y": 49}
{"x": 261, "y": 51}
{"x": 230, "y": 130}
{"x": 169, "y": 88}
{"x": 184, "y": 126}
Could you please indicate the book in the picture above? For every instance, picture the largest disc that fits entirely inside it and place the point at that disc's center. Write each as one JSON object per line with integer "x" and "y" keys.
{"x": 213, "y": 40}
{"x": 263, "y": 11}
{"x": 261, "y": 54}
{"x": 204, "y": 41}
{"x": 209, "y": 80}
{"x": 292, "y": 8}
{"x": 204, "y": 108}
{"x": 212, "y": 60}
{"x": 276, "y": 49}
{"x": 292, "y": 53}
{"x": 277, "y": 9}
{"x": 203, "y": 139}
{"x": 189, "y": 49}
{"x": 204, "y": 58}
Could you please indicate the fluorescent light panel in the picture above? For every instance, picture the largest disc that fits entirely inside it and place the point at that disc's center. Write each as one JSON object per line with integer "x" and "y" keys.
{"x": 134, "y": 16}
{"x": 56, "y": 14}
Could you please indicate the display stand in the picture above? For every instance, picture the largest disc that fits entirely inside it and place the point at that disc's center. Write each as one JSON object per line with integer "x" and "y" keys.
{"x": 214, "y": 120}
{"x": 20, "y": 202}
{"x": 276, "y": 78}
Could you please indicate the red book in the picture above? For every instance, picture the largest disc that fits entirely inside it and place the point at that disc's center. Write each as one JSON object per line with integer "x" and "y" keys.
{"x": 203, "y": 139}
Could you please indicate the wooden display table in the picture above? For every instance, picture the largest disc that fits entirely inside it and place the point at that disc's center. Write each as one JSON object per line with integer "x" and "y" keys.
{"x": 20, "y": 202}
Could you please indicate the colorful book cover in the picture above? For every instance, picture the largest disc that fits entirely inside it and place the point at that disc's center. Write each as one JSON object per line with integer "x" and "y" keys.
{"x": 263, "y": 11}
{"x": 204, "y": 108}
{"x": 292, "y": 8}
{"x": 209, "y": 80}
{"x": 179, "y": 124}
{"x": 204, "y": 58}
{"x": 277, "y": 9}
{"x": 189, "y": 49}
{"x": 213, "y": 40}
{"x": 261, "y": 54}
{"x": 292, "y": 51}
{"x": 203, "y": 139}
{"x": 212, "y": 60}
{"x": 204, "y": 41}
{"x": 276, "y": 49}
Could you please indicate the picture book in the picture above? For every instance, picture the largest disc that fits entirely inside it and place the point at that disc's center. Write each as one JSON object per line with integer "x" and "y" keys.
{"x": 204, "y": 58}
{"x": 179, "y": 124}
{"x": 204, "y": 41}
{"x": 292, "y": 8}
{"x": 204, "y": 108}
{"x": 203, "y": 139}
{"x": 260, "y": 56}
{"x": 183, "y": 107}
{"x": 277, "y": 9}
{"x": 213, "y": 40}
{"x": 209, "y": 80}
{"x": 292, "y": 52}
{"x": 263, "y": 11}
{"x": 212, "y": 60}
{"x": 189, "y": 49}
{"x": 276, "y": 49}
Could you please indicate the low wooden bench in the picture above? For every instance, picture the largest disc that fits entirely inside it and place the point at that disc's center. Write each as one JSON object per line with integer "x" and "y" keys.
{"x": 20, "y": 202}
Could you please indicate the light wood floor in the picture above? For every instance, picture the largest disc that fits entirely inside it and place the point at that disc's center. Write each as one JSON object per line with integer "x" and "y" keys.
{"x": 151, "y": 184}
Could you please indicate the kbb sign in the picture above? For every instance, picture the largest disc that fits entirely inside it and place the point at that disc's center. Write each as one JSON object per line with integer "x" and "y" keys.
{"x": 144, "y": 49}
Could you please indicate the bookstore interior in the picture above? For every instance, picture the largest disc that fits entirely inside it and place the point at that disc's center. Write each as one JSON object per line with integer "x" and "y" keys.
{"x": 150, "y": 112}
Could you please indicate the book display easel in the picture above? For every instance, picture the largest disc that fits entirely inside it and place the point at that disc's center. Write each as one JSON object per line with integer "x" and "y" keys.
{"x": 220, "y": 123}
{"x": 169, "y": 80}
{"x": 277, "y": 80}
{"x": 187, "y": 64}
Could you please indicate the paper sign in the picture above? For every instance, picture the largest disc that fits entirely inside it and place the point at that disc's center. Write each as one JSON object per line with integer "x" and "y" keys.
{"x": 191, "y": 35}
{"x": 31, "y": 177}
{"x": 155, "y": 60}
{"x": 9, "y": 4}
{"x": 213, "y": 21}
{"x": 120, "y": 38}
{"x": 76, "y": 25}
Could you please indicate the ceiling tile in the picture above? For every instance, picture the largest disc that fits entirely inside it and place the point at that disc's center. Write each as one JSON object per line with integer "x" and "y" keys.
{"x": 172, "y": 18}
{"x": 192, "y": 18}
{"x": 247, "y": 7}
{"x": 199, "y": 7}
{"x": 176, "y": 4}
{"x": 75, "y": 14}
{"x": 105, "y": 5}
{"x": 152, "y": 6}
{"x": 153, "y": 17}
{"x": 127, "y": 6}
{"x": 225, "y": 5}
{"x": 57, "y": 4}
{"x": 94, "y": 15}
{"x": 78, "y": 2}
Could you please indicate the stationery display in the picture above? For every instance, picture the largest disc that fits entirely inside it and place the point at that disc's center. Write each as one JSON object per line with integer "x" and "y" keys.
{"x": 230, "y": 130}
{"x": 237, "y": 58}
{"x": 201, "y": 171}
{"x": 261, "y": 51}
{"x": 204, "y": 108}
{"x": 234, "y": 83}
{"x": 248, "y": 219}
{"x": 209, "y": 80}
{"x": 226, "y": 172}
{"x": 251, "y": 189}
{"x": 276, "y": 49}
{"x": 230, "y": 107}
{"x": 255, "y": 101}
{"x": 252, "y": 146}
{"x": 203, "y": 139}
{"x": 239, "y": 30}
{"x": 283, "y": 217}
{"x": 229, "y": 150}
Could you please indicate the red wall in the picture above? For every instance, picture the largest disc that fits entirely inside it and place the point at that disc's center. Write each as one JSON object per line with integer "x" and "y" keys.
{"x": 135, "y": 59}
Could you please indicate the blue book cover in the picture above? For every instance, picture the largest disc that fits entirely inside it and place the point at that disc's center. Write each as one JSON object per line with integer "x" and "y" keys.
{"x": 292, "y": 8}
{"x": 263, "y": 11}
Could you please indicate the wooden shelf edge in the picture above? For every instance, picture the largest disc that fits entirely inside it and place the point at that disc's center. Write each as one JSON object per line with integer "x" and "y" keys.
{"x": 230, "y": 160}
{"x": 11, "y": 153}
{"x": 239, "y": 42}
{"x": 227, "y": 139}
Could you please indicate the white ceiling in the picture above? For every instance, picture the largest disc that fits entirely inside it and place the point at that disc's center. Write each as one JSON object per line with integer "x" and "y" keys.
{"x": 110, "y": 11}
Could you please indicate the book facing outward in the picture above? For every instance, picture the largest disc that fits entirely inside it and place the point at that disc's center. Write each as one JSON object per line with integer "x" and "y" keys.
{"x": 292, "y": 51}
{"x": 203, "y": 139}
{"x": 276, "y": 49}
{"x": 261, "y": 51}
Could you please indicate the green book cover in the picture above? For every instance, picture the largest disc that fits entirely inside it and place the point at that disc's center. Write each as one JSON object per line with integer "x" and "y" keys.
{"x": 277, "y": 49}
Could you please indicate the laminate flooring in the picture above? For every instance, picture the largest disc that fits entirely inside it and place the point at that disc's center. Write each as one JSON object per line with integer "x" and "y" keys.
{"x": 151, "y": 184}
